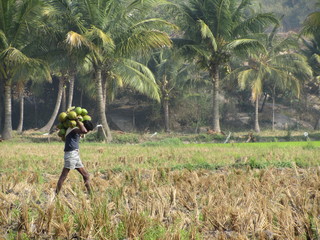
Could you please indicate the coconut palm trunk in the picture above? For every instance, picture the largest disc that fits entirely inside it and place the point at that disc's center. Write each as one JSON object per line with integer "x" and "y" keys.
{"x": 273, "y": 107}
{"x": 101, "y": 105}
{"x": 256, "y": 116}
{"x": 21, "y": 103}
{"x": 104, "y": 88}
{"x": 63, "y": 106}
{"x": 49, "y": 125}
{"x": 273, "y": 114}
{"x": 71, "y": 90}
{"x": 165, "y": 103}
{"x": 166, "y": 113}
{"x": 215, "y": 102}
{"x": 7, "y": 128}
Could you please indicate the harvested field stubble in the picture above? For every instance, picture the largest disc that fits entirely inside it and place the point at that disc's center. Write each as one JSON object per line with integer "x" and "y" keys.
{"x": 235, "y": 204}
{"x": 158, "y": 203}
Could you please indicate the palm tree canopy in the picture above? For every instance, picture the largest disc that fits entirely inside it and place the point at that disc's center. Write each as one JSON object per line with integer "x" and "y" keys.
{"x": 19, "y": 24}
{"x": 218, "y": 27}
{"x": 311, "y": 25}
{"x": 276, "y": 63}
{"x": 113, "y": 32}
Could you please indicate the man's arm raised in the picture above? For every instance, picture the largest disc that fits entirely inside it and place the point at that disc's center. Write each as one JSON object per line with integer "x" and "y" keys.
{"x": 82, "y": 128}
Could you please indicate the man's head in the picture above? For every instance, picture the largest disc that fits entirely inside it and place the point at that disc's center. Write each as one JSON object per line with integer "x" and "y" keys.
{"x": 88, "y": 125}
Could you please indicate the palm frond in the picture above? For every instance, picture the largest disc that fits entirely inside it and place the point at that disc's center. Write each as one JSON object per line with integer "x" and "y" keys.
{"x": 157, "y": 22}
{"x": 146, "y": 4}
{"x": 246, "y": 47}
{"x": 143, "y": 41}
{"x": 3, "y": 40}
{"x": 13, "y": 56}
{"x": 288, "y": 44}
{"x": 316, "y": 58}
{"x": 36, "y": 70}
{"x": 272, "y": 35}
{"x": 97, "y": 34}
{"x": 294, "y": 83}
{"x": 28, "y": 13}
{"x": 223, "y": 19}
{"x": 115, "y": 81}
{"x": 76, "y": 40}
{"x": 244, "y": 77}
{"x": 238, "y": 12}
{"x": 3, "y": 12}
{"x": 23, "y": 67}
{"x": 311, "y": 25}
{"x": 206, "y": 33}
{"x": 291, "y": 67}
{"x": 256, "y": 85}
{"x": 293, "y": 61}
{"x": 233, "y": 75}
{"x": 93, "y": 13}
{"x": 196, "y": 50}
{"x": 256, "y": 23}
{"x": 66, "y": 11}
{"x": 139, "y": 77}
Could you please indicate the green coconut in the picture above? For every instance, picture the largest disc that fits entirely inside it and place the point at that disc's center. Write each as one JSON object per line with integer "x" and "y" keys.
{"x": 66, "y": 123}
{"x": 78, "y": 110}
{"x": 86, "y": 118}
{"x": 72, "y": 123}
{"x": 60, "y": 126}
{"x": 62, "y": 117}
{"x": 72, "y": 115}
{"x": 84, "y": 112}
{"x": 62, "y": 132}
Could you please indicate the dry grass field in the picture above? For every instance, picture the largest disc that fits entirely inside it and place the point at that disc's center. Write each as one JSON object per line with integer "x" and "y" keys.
{"x": 173, "y": 192}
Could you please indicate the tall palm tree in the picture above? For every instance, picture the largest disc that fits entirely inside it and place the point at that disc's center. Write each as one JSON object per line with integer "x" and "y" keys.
{"x": 114, "y": 32}
{"x": 63, "y": 17}
{"x": 215, "y": 28}
{"x": 274, "y": 64}
{"x": 310, "y": 34}
{"x": 170, "y": 71}
{"x": 19, "y": 22}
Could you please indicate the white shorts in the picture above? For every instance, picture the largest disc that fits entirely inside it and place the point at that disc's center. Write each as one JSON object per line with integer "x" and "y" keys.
{"x": 72, "y": 160}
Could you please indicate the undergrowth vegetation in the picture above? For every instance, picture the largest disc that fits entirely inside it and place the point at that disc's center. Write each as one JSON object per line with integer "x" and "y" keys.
{"x": 169, "y": 190}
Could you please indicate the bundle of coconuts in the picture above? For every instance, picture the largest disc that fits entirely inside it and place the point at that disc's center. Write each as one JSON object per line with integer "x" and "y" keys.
{"x": 67, "y": 119}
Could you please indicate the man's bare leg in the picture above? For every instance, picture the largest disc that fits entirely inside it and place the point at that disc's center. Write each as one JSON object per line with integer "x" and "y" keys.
{"x": 62, "y": 178}
{"x": 86, "y": 178}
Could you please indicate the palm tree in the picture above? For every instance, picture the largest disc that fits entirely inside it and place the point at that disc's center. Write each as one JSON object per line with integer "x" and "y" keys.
{"x": 64, "y": 62}
{"x": 114, "y": 32}
{"x": 311, "y": 25}
{"x": 170, "y": 71}
{"x": 311, "y": 31}
{"x": 274, "y": 64}
{"x": 215, "y": 28}
{"x": 20, "y": 87}
{"x": 18, "y": 25}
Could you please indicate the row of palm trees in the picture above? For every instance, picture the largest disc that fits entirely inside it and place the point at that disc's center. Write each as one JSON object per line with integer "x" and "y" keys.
{"x": 115, "y": 43}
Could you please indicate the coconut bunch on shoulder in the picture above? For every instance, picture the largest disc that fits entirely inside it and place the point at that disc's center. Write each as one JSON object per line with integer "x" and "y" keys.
{"x": 68, "y": 119}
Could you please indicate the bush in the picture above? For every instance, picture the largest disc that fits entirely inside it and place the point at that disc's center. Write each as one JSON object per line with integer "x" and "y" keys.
{"x": 130, "y": 138}
{"x": 204, "y": 137}
{"x": 165, "y": 142}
